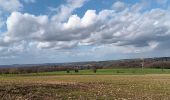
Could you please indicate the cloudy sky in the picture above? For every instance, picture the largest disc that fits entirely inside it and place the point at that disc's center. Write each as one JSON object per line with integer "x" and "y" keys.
{"x": 51, "y": 31}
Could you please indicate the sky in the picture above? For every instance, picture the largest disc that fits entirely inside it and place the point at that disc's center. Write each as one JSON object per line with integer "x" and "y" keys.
{"x": 56, "y": 31}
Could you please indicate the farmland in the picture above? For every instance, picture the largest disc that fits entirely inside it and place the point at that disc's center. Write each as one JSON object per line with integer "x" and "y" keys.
{"x": 118, "y": 84}
{"x": 113, "y": 71}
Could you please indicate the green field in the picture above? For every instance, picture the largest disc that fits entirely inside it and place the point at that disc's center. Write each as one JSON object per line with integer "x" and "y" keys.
{"x": 115, "y": 71}
{"x": 110, "y": 84}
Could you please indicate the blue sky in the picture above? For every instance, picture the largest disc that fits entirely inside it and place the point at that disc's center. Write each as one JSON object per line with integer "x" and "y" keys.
{"x": 52, "y": 31}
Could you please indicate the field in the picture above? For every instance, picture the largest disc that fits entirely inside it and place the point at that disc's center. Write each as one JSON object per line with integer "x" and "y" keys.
{"x": 119, "y": 84}
{"x": 115, "y": 71}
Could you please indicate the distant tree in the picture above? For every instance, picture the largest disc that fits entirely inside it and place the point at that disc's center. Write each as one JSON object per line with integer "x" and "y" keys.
{"x": 12, "y": 71}
{"x": 68, "y": 71}
{"x": 94, "y": 69}
{"x": 76, "y": 70}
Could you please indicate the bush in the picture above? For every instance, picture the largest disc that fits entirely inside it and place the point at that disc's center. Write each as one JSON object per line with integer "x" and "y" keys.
{"x": 94, "y": 70}
{"x": 68, "y": 71}
{"x": 76, "y": 70}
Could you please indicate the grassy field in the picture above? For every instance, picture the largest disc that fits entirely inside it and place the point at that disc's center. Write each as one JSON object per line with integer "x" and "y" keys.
{"x": 119, "y": 84}
{"x": 115, "y": 71}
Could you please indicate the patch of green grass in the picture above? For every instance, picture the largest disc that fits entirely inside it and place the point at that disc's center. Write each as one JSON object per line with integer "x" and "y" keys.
{"x": 115, "y": 71}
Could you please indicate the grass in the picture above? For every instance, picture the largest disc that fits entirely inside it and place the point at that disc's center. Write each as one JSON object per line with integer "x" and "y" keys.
{"x": 120, "y": 84}
{"x": 119, "y": 71}
{"x": 115, "y": 71}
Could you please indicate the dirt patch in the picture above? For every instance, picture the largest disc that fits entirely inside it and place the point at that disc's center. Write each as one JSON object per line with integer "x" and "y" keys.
{"x": 136, "y": 87}
{"x": 39, "y": 91}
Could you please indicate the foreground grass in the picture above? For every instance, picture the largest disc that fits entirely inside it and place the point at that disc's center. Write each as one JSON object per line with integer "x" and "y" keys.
{"x": 121, "y": 87}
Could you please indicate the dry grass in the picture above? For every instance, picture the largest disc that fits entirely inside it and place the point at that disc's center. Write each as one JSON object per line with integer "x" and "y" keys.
{"x": 120, "y": 87}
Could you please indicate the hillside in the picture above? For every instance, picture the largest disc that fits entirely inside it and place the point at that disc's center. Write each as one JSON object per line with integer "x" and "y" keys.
{"x": 148, "y": 62}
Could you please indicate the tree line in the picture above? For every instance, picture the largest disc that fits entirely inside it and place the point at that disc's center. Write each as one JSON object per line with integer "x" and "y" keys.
{"x": 162, "y": 64}
{"x": 38, "y": 69}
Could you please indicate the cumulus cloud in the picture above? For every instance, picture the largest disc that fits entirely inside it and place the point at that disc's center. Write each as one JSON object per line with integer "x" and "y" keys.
{"x": 126, "y": 29}
{"x": 40, "y": 29}
{"x": 64, "y": 11}
{"x": 118, "y": 5}
{"x": 10, "y": 5}
{"x": 137, "y": 29}
{"x": 13, "y": 50}
{"x": 29, "y": 26}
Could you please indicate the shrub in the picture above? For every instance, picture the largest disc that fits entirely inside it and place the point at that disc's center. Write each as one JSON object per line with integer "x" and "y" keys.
{"x": 76, "y": 70}
{"x": 68, "y": 71}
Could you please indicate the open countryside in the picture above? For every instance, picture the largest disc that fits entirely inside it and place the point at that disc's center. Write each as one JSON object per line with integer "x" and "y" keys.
{"x": 121, "y": 84}
{"x": 84, "y": 49}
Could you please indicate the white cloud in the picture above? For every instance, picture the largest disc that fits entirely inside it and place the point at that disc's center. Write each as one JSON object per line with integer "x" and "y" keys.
{"x": 119, "y": 5}
{"x": 10, "y": 5}
{"x": 29, "y": 1}
{"x": 76, "y": 22}
{"x": 71, "y": 22}
{"x": 126, "y": 31}
{"x": 89, "y": 18}
{"x": 28, "y": 26}
{"x": 125, "y": 28}
{"x": 57, "y": 45}
{"x": 13, "y": 50}
{"x": 64, "y": 11}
